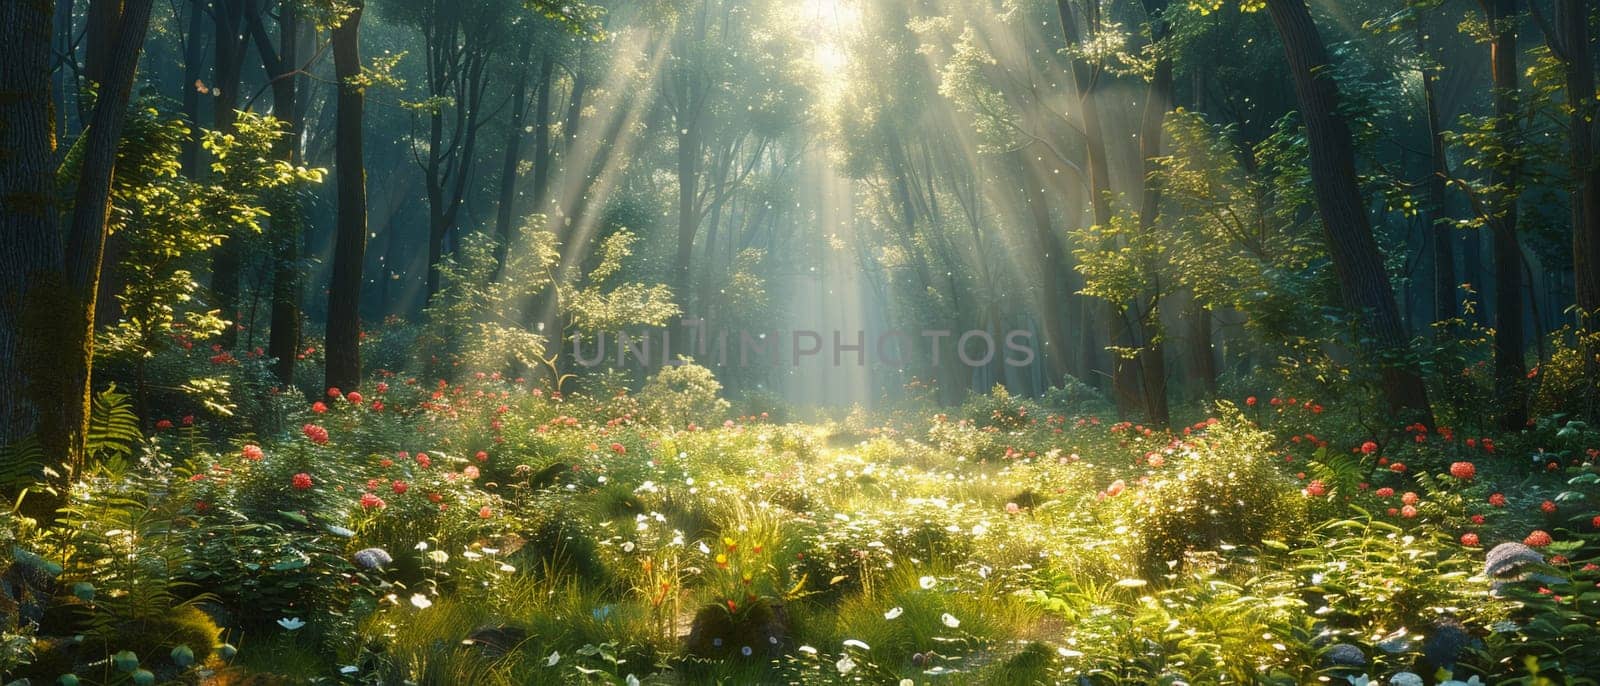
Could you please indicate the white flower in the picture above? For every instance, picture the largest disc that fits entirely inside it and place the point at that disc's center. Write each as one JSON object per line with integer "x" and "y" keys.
{"x": 853, "y": 643}
{"x": 1405, "y": 679}
{"x": 627, "y": 547}
{"x": 807, "y": 650}
{"x": 632, "y": 680}
{"x": 553, "y": 659}
{"x": 845, "y": 665}
{"x": 907, "y": 682}
{"x": 746, "y": 651}
{"x": 895, "y": 612}
{"x": 439, "y": 556}
{"x": 927, "y": 583}
{"x": 949, "y": 620}
{"x": 704, "y": 550}
{"x": 422, "y": 545}
{"x": 421, "y": 601}
{"x": 291, "y": 623}
{"x": 349, "y": 669}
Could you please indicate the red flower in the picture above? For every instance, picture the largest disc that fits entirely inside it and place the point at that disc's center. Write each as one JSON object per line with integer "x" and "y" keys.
{"x": 251, "y": 452}
{"x": 1472, "y": 443}
{"x": 1548, "y": 507}
{"x": 1251, "y": 401}
{"x": 1477, "y": 519}
{"x": 188, "y": 420}
{"x": 618, "y": 448}
{"x": 435, "y": 497}
{"x": 301, "y": 481}
{"x": 1410, "y": 498}
{"x": 482, "y": 456}
{"x": 1463, "y": 470}
{"x": 1537, "y": 539}
{"x": 383, "y": 387}
{"x": 485, "y": 512}
{"x": 1408, "y": 512}
{"x": 1469, "y": 539}
{"x": 1315, "y": 489}
{"x": 370, "y": 501}
{"x": 319, "y": 407}
{"x": 377, "y": 406}
{"x": 1115, "y": 487}
{"x": 1385, "y": 492}
{"x": 1498, "y": 500}
{"x": 354, "y": 397}
{"x": 333, "y": 392}
{"x": 424, "y": 460}
{"x": 471, "y": 471}
{"x": 1369, "y": 448}
{"x": 316, "y": 434}
{"x": 164, "y": 424}
{"x": 1398, "y": 467}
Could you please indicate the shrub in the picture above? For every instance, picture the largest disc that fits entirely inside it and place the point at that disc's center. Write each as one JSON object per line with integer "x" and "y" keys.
{"x": 681, "y": 394}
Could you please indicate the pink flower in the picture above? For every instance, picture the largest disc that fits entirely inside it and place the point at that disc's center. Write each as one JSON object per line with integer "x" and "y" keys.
{"x": 383, "y": 387}
{"x": 471, "y": 471}
{"x": 1410, "y": 498}
{"x": 333, "y": 392}
{"x": 618, "y": 448}
{"x": 1316, "y": 489}
{"x": 301, "y": 481}
{"x": 1463, "y": 470}
{"x": 252, "y": 452}
{"x": 1369, "y": 448}
{"x": 370, "y": 501}
{"x": 1012, "y": 508}
{"x": 1537, "y": 539}
{"x": 1469, "y": 539}
{"x": 399, "y": 487}
{"x": 482, "y": 456}
{"x": 1116, "y": 487}
{"x": 319, "y": 407}
{"x": 1408, "y": 512}
{"x": 1384, "y": 492}
{"x": 1498, "y": 500}
{"x": 485, "y": 512}
{"x": 354, "y": 397}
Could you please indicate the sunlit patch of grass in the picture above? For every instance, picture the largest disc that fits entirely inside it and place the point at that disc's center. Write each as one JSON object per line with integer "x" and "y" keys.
{"x": 282, "y": 654}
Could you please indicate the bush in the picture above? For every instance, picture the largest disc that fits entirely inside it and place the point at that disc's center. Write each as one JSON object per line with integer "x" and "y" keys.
{"x": 681, "y": 394}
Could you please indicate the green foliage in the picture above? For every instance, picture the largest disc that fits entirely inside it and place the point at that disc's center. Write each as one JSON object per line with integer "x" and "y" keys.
{"x": 681, "y": 394}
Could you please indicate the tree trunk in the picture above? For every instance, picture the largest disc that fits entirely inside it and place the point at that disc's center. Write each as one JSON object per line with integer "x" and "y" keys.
{"x": 193, "y": 56}
{"x": 1573, "y": 18}
{"x": 1438, "y": 232}
{"x": 283, "y": 342}
{"x": 1358, "y": 266}
{"x": 505, "y": 212}
{"x": 1158, "y": 100}
{"x": 229, "y": 256}
{"x": 1510, "y": 369}
{"x": 1048, "y": 253}
{"x": 30, "y": 266}
{"x": 1125, "y": 387}
{"x": 541, "y": 133}
{"x": 343, "y": 343}
{"x": 87, "y": 230}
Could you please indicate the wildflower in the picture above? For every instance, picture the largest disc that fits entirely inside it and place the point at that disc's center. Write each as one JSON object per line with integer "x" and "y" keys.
{"x": 301, "y": 481}
{"x": 383, "y": 387}
{"x": 1398, "y": 467}
{"x": 188, "y": 420}
{"x": 481, "y": 456}
{"x": 1537, "y": 539}
{"x": 1410, "y": 498}
{"x": 420, "y": 601}
{"x": 1316, "y": 489}
{"x": 949, "y": 620}
{"x": 555, "y": 657}
{"x": 1469, "y": 539}
{"x": 291, "y": 623}
{"x": 1477, "y": 519}
{"x": 485, "y": 512}
{"x": 333, "y": 392}
{"x": 1013, "y": 508}
{"x": 1498, "y": 500}
{"x": 1384, "y": 492}
{"x": 315, "y": 434}
{"x": 1369, "y": 448}
{"x": 399, "y": 487}
{"x": 370, "y": 501}
{"x": 164, "y": 424}
{"x": 1463, "y": 470}
{"x": 1251, "y": 401}
{"x": 354, "y": 397}
{"x": 927, "y": 583}
{"x": 1116, "y": 488}
{"x": 1548, "y": 507}
{"x": 319, "y": 407}
{"x": 845, "y": 665}
{"x": 423, "y": 460}
{"x": 618, "y": 448}
{"x": 1405, "y": 679}
{"x": 1409, "y": 512}
{"x": 471, "y": 472}
{"x": 893, "y": 613}
{"x": 251, "y": 452}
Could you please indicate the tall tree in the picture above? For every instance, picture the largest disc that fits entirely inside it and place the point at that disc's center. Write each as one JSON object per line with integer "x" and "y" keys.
{"x": 283, "y": 343}
{"x": 1510, "y": 369}
{"x": 1573, "y": 18}
{"x": 1363, "y": 281}
{"x": 47, "y": 321}
{"x": 342, "y": 346}
{"x": 1158, "y": 100}
{"x": 229, "y": 17}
